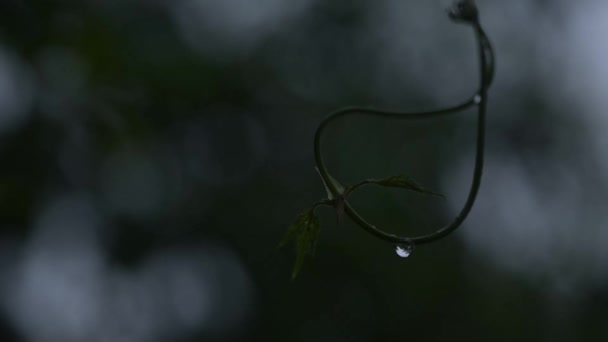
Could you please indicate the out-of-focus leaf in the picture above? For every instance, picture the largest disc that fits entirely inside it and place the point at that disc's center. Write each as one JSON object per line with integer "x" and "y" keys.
{"x": 404, "y": 183}
{"x": 305, "y": 232}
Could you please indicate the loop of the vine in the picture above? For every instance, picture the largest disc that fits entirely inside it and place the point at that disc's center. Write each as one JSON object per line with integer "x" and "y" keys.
{"x": 465, "y": 11}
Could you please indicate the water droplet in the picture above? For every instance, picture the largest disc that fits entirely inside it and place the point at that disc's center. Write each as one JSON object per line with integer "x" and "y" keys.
{"x": 477, "y": 99}
{"x": 404, "y": 250}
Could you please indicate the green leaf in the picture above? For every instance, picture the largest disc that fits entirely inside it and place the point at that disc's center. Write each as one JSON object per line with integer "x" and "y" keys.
{"x": 336, "y": 184}
{"x": 305, "y": 232}
{"x": 403, "y": 182}
{"x": 337, "y": 202}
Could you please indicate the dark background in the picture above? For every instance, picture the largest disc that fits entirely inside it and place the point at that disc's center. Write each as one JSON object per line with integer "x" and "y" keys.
{"x": 153, "y": 153}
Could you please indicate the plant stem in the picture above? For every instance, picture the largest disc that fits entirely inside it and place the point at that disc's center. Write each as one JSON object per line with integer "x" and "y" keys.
{"x": 479, "y": 99}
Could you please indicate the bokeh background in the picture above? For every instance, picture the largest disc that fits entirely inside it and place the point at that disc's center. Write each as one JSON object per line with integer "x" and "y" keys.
{"x": 153, "y": 153}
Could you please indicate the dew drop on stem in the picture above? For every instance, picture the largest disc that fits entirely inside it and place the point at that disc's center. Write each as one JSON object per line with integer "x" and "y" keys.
{"x": 404, "y": 250}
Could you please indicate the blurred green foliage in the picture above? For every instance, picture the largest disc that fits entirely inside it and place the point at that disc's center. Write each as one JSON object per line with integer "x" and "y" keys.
{"x": 139, "y": 85}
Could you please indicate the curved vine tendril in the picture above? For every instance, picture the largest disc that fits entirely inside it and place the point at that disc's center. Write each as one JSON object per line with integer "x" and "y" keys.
{"x": 305, "y": 233}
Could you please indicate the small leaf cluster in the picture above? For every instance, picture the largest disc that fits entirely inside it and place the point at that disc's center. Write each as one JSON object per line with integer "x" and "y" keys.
{"x": 305, "y": 230}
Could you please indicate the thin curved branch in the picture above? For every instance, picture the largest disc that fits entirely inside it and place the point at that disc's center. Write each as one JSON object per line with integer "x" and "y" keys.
{"x": 467, "y": 12}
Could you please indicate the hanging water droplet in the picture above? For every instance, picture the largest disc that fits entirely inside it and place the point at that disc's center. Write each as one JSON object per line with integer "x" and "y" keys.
{"x": 404, "y": 250}
{"x": 477, "y": 99}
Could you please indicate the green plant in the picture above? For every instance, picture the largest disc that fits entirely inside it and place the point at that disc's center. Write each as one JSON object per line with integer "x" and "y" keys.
{"x": 305, "y": 230}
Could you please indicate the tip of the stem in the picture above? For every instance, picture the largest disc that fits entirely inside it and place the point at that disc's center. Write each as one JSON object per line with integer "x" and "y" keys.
{"x": 464, "y": 11}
